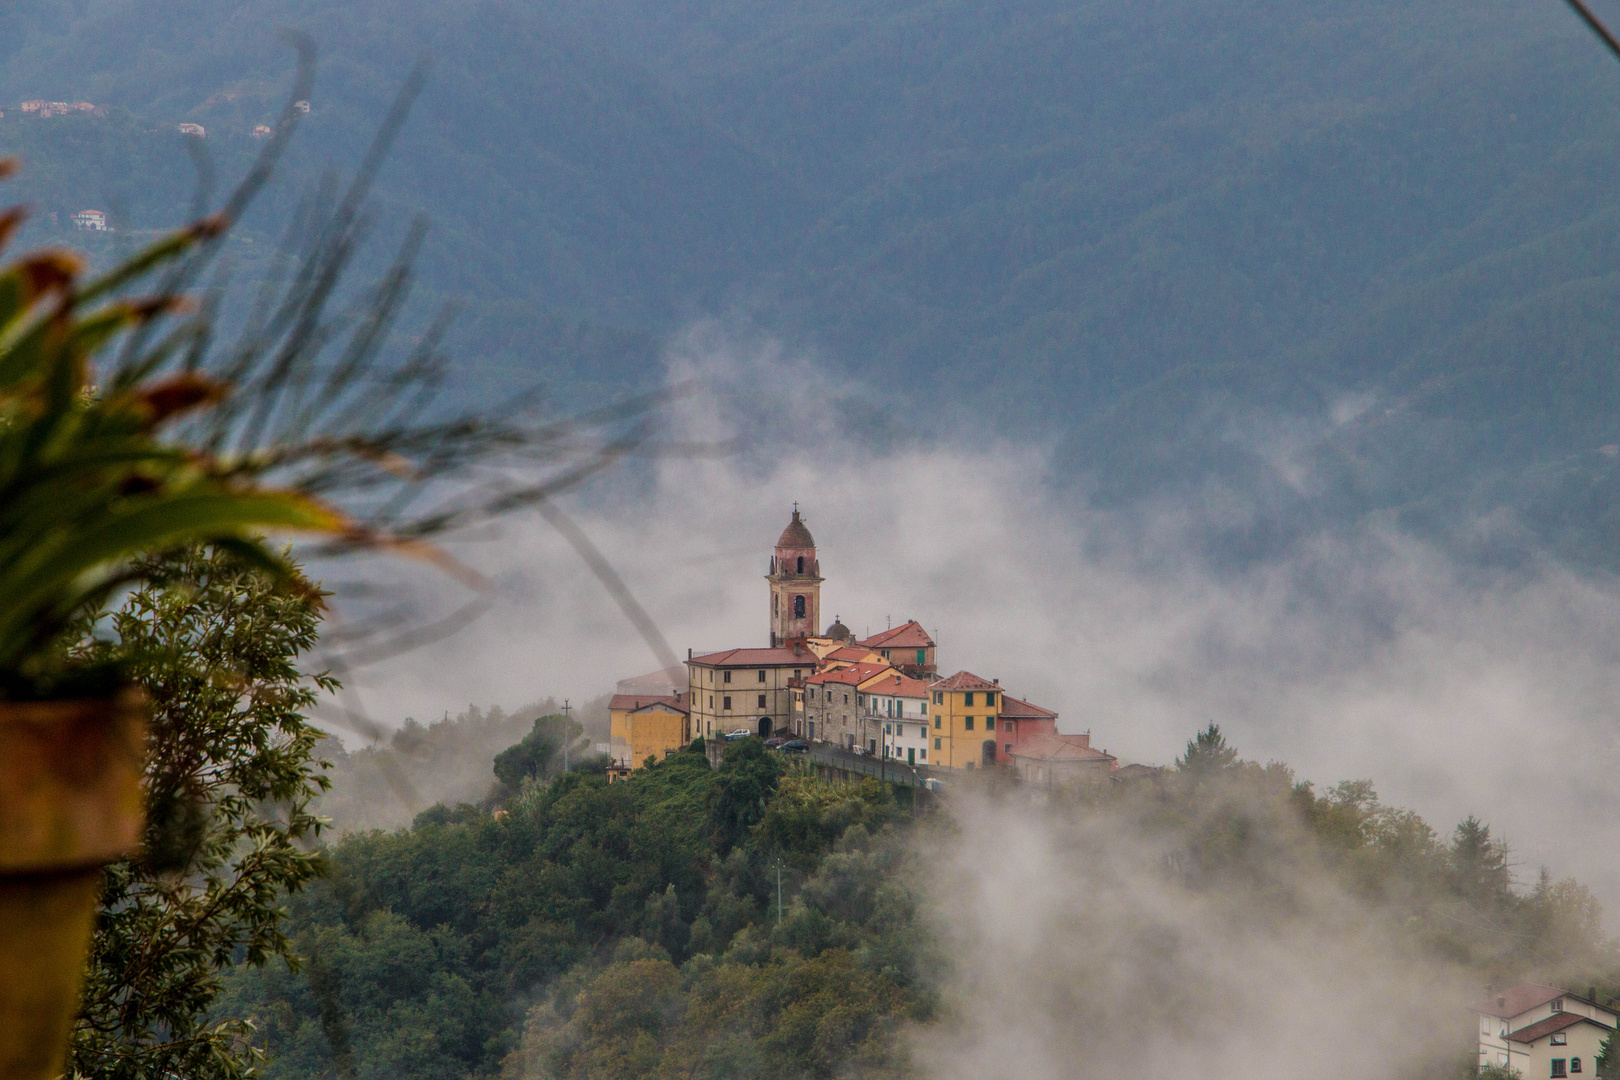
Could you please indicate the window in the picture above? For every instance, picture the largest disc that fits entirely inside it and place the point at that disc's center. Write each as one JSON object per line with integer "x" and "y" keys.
{"x": 1558, "y": 1067}
{"x": 989, "y": 697}
{"x": 725, "y": 677}
{"x": 846, "y": 699}
{"x": 1560, "y": 1039}
{"x": 939, "y": 697}
{"x": 923, "y": 754}
{"x": 711, "y": 701}
{"x": 967, "y": 723}
{"x": 725, "y": 702}
{"x": 798, "y": 607}
{"x": 797, "y": 672}
{"x": 1007, "y": 747}
{"x": 967, "y": 699}
{"x": 1574, "y": 1065}
{"x": 1558, "y": 1006}
{"x": 925, "y": 708}
{"x": 922, "y": 655}
{"x": 886, "y": 730}
{"x": 761, "y": 675}
{"x": 936, "y": 744}
{"x": 762, "y": 701}
{"x": 801, "y": 564}
{"x": 936, "y": 719}
{"x": 1006, "y": 725}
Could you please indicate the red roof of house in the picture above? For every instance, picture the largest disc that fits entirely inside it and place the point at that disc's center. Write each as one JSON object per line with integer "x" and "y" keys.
{"x": 1519, "y": 999}
{"x": 964, "y": 680}
{"x": 1013, "y": 709}
{"x": 848, "y": 652}
{"x": 852, "y": 675}
{"x": 632, "y": 702}
{"x": 1059, "y": 748}
{"x": 1556, "y": 1022}
{"x": 900, "y": 686}
{"x": 784, "y": 657}
{"x": 908, "y": 635}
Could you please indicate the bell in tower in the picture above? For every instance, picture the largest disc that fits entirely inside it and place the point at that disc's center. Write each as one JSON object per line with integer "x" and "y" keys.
{"x": 795, "y": 580}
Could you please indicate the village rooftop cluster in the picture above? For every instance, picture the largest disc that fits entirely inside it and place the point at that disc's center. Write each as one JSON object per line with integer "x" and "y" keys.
{"x": 881, "y": 697}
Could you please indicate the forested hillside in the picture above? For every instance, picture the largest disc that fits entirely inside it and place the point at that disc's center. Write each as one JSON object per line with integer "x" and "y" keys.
{"x": 1339, "y": 260}
{"x": 587, "y": 930}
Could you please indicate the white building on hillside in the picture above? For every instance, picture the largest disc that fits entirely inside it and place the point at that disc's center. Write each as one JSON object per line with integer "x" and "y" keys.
{"x": 1542, "y": 1031}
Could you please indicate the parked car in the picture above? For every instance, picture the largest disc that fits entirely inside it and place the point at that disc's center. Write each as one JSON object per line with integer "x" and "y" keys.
{"x": 775, "y": 741}
{"x": 794, "y": 746}
{"x": 740, "y": 733}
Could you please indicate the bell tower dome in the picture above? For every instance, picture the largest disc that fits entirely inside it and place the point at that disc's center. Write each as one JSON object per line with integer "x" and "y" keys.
{"x": 795, "y": 580}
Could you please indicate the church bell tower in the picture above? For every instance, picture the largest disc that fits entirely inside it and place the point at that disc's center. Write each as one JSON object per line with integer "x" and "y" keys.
{"x": 795, "y": 579}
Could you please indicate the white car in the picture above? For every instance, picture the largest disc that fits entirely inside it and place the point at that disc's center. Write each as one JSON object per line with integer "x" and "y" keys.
{"x": 740, "y": 733}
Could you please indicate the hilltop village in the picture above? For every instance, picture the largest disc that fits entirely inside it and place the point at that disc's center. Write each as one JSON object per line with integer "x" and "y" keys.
{"x": 813, "y": 688}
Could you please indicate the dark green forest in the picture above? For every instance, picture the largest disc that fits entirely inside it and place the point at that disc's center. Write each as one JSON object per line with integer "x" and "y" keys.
{"x": 581, "y": 929}
{"x": 1375, "y": 241}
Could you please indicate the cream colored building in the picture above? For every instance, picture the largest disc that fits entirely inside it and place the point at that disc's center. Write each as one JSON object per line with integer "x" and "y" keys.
{"x": 745, "y": 689}
{"x": 1542, "y": 1031}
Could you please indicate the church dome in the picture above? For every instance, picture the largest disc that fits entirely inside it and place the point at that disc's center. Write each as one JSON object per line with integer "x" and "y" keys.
{"x": 796, "y": 535}
{"x": 838, "y": 631}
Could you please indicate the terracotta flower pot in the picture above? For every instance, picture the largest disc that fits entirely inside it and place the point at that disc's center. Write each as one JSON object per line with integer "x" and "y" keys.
{"x": 70, "y": 802}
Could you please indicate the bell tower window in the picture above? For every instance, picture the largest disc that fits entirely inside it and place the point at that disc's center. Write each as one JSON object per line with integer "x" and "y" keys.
{"x": 801, "y": 564}
{"x": 798, "y": 607}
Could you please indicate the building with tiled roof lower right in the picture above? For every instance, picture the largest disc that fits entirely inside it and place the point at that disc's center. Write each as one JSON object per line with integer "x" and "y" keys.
{"x": 1542, "y": 1031}
{"x": 1053, "y": 762}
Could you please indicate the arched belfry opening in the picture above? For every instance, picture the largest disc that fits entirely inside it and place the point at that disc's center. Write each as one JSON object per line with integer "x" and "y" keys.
{"x": 795, "y": 584}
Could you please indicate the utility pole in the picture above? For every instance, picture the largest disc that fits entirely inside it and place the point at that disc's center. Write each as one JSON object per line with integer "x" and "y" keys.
{"x": 568, "y": 734}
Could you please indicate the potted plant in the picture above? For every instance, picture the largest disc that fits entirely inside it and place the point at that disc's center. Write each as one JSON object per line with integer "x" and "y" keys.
{"x": 88, "y": 482}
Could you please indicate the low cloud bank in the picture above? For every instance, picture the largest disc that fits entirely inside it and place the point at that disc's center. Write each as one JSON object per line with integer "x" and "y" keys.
{"x": 1076, "y": 950}
{"x": 1366, "y": 654}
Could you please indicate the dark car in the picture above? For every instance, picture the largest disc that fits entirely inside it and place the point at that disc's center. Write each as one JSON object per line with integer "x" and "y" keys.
{"x": 794, "y": 746}
{"x": 776, "y": 741}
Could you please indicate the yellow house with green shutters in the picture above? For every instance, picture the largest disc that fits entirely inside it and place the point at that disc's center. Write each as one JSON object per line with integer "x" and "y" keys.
{"x": 963, "y": 709}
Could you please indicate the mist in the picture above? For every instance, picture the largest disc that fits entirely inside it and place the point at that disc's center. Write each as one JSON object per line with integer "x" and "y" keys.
{"x": 1077, "y": 949}
{"x": 1359, "y": 653}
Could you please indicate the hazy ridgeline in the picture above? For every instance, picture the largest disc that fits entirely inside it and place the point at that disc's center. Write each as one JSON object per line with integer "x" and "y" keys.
{"x": 385, "y": 785}
{"x": 1163, "y": 237}
{"x": 1222, "y": 921}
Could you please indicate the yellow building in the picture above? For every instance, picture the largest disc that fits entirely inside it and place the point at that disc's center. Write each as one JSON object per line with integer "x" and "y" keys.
{"x": 642, "y": 726}
{"x": 964, "y": 710}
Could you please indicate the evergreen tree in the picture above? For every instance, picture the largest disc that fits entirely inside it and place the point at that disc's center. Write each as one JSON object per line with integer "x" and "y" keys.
{"x": 1207, "y": 754}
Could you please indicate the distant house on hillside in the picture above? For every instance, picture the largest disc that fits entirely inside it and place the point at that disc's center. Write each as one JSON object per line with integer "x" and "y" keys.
{"x": 645, "y": 726}
{"x": 262, "y": 131}
{"x": 1062, "y": 761}
{"x": 93, "y": 220}
{"x": 194, "y": 130}
{"x": 56, "y": 108}
{"x": 1543, "y": 1031}
{"x": 301, "y": 106}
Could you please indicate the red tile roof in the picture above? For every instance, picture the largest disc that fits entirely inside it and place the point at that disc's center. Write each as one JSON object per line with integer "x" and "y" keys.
{"x": 900, "y": 685}
{"x": 1519, "y": 999}
{"x": 1013, "y": 709}
{"x": 964, "y": 680}
{"x": 756, "y": 658}
{"x": 632, "y": 702}
{"x": 848, "y": 652}
{"x": 908, "y": 635}
{"x": 852, "y": 675}
{"x": 1556, "y": 1022}
{"x": 1059, "y": 748}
